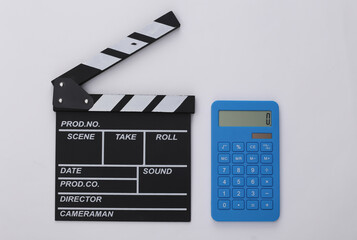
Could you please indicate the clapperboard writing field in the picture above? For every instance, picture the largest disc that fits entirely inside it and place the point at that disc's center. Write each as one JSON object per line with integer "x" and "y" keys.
{"x": 122, "y": 157}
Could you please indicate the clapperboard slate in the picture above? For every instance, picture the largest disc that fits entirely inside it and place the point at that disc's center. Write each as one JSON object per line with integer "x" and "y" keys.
{"x": 121, "y": 157}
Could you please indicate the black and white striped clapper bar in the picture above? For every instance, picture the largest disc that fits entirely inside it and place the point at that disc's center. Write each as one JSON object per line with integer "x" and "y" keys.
{"x": 122, "y": 157}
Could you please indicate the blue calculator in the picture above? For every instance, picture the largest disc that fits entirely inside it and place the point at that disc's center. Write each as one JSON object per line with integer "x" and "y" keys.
{"x": 245, "y": 161}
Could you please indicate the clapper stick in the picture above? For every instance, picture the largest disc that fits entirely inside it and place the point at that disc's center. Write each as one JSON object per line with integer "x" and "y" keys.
{"x": 122, "y": 157}
{"x": 68, "y": 95}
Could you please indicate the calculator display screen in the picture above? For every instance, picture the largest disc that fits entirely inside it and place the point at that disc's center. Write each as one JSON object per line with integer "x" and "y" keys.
{"x": 245, "y": 118}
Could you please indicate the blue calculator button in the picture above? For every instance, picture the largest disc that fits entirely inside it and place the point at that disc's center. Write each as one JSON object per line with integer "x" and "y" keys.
{"x": 223, "y": 181}
{"x": 223, "y": 170}
{"x": 252, "y": 158}
{"x": 266, "y": 205}
{"x": 252, "y": 182}
{"x": 252, "y": 147}
{"x": 266, "y": 147}
{"x": 252, "y": 192}
{"x": 238, "y": 170}
{"x": 223, "y": 158}
{"x": 252, "y": 205}
{"x": 223, "y": 147}
{"x": 267, "y": 192}
{"x": 266, "y": 158}
{"x": 223, "y": 204}
{"x": 238, "y": 181}
{"x": 267, "y": 170}
{"x": 238, "y": 147}
{"x": 266, "y": 182}
{"x": 238, "y": 192}
{"x": 252, "y": 170}
{"x": 238, "y": 205}
{"x": 238, "y": 158}
{"x": 223, "y": 192}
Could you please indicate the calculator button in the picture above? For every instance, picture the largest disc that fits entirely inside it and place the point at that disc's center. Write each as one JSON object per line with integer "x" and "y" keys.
{"x": 238, "y": 181}
{"x": 252, "y": 182}
{"x": 252, "y": 192}
{"x": 252, "y": 205}
{"x": 266, "y": 182}
{"x": 252, "y": 147}
{"x": 238, "y": 147}
{"x": 223, "y": 192}
{"x": 223, "y": 204}
{"x": 267, "y": 170}
{"x": 238, "y": 193}
{"x": 238, "y": 170}
{"x": 223, "y": 158}
{"x": 267, "y": 192}
{"x": 238, "y": 158}
{"x": 252, "y": 170}
{"x": 252, "y": 158}
{"x": 266, "y": 158}
{"x": 266, "y": 147}
{"x": 223, "y": 147}
{"x": 223, "y": 181}
{"x": 238, "y": 205}
{"x": 266, "y": 205}
{"x": 223, "y": 170}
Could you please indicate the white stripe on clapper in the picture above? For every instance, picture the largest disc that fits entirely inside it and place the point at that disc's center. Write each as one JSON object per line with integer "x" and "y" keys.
{"x": 138, "y": 103}
{"x": 129, "y": 45}
{"x": 169, "y": 103}
{"x": 122, "y": 209}
{"x": 106, "y": 103}
{"x": 99, "y": 179}
{"x": 122, "y": 194}
{"x": 155, "y": 30}
{"x": 101, "y": 61}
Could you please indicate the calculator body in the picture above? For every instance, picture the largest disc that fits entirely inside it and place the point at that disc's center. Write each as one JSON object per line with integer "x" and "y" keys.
{"x": 245, "y": 161}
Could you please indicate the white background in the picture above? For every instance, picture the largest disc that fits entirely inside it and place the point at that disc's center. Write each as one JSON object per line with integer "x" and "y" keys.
{"x": 299, "y": 53}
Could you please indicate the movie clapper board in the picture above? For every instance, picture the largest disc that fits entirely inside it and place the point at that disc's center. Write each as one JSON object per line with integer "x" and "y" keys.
{"x": 122, "y": 157}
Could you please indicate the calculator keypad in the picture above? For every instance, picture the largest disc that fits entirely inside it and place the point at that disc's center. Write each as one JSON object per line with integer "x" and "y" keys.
{"x": 245, "y": 176}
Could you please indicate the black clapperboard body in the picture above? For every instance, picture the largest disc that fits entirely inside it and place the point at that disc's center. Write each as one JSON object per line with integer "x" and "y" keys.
{"x": 121, "y": 157}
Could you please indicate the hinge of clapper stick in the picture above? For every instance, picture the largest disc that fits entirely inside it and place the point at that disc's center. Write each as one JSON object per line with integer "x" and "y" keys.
{"x": 70, "y": 96}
